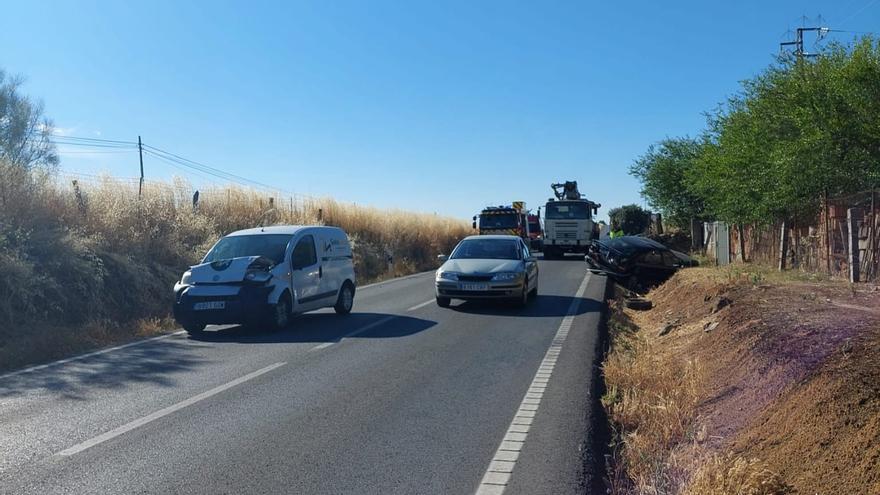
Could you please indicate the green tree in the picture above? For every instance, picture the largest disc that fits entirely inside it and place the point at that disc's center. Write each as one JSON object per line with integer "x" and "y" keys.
{"x": 665, "y": 171}
{"x": 632, "y": 219}
{"x": 24, "y": 130}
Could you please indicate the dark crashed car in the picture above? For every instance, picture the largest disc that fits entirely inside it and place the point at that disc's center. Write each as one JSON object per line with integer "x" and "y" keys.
{"x": 636, "y": 262}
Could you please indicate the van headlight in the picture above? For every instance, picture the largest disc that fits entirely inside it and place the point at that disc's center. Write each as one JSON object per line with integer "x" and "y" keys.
{"x": 258, "y": 277}
{"x": 447, "y": 276}
{"x": 499, "y": 277}
{"x": 185, "y": 279}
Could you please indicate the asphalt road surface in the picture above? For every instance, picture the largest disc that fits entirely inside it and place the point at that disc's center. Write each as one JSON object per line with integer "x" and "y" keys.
{"x": 401, "y": 396}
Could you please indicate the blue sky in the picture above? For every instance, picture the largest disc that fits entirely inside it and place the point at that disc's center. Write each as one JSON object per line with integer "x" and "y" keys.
{"x": 430, "y": 106}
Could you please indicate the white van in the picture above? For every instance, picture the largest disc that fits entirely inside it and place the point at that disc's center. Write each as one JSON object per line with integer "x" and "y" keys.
{"x": 263, "y": 276}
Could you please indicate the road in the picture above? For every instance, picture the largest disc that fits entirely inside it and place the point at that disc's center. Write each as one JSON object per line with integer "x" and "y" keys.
{"x": 401, "y": 396}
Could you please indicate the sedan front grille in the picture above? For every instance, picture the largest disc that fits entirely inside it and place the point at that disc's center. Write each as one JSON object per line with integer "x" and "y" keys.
{"x": 474, "y": 278}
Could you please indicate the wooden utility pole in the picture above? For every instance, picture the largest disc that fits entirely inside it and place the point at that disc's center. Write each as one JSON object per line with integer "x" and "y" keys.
{"x": 141, "y": 155}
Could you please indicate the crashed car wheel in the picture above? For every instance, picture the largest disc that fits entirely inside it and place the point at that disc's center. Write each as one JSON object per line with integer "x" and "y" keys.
{"x": 443, "y": 302}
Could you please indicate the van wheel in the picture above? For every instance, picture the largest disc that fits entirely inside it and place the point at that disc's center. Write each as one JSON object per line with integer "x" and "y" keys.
{"x": 443, "y": 302}
{"x": 193, "y": 328}
{"x": 345, "y": 300}
{"x": 279, "y": 314}
{"x": 534, "y": 292}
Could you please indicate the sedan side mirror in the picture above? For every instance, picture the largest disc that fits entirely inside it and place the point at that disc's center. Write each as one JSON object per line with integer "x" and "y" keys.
{"x": 442, "y": 258}
{"x": 531, "y": 258}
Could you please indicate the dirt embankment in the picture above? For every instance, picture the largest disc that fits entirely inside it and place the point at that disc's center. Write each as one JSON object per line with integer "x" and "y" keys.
{"x": 772, "y": 385}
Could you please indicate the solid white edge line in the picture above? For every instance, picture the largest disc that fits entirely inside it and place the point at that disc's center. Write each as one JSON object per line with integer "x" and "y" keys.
{"x": 504, "y": 460}
{"x": 90, "y": 354}
{"x": 164, "y": 412}
{"x": 420, "y": 306}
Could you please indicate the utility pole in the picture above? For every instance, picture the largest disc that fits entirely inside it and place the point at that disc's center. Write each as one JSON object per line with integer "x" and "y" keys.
{"x": 141, "y": 155}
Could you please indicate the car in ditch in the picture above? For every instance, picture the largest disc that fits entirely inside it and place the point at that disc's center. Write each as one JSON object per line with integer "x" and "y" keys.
{"x": 635, "y": 262}
{"x": 264, "y": 276}
{"x": 488, "y": 267}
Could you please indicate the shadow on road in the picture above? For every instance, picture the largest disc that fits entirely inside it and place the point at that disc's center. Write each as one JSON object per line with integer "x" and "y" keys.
{"x": 158, "y": 363}
{"x": 152, "y": 363}
{"x": 543, "y": 305}
{"x": 322, "y": 327}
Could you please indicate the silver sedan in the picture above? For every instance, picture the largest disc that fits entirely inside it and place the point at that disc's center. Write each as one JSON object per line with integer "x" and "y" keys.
{"x": 488, "y": 267}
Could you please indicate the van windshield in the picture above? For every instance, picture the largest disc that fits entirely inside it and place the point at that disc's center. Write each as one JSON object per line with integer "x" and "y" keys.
{"x": 271, "y": 246}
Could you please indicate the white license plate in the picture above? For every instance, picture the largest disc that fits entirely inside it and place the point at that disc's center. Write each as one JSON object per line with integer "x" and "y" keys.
{"x": 474, "y": 286}
{"x": 209, "y": 305}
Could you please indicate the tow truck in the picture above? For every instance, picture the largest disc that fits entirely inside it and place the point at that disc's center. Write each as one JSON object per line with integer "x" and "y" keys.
{"x": 568, "y": 221}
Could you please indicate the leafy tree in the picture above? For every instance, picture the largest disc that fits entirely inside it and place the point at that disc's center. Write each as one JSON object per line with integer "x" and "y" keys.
{"x": 800, "y": 128}
{"x": 632, "y": 219}
{"x": 24, "y": 131}
{"x": 664, "y": 171}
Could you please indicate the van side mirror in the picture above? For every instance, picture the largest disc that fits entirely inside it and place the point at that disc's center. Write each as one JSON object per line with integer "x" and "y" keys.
{"x": 474, "y": 225}
{"x": 442, "y": 258}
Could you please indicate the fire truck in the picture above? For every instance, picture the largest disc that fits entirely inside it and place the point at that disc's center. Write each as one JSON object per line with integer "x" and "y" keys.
{"x": 568, "y": 221}
{"x": 505, "y": 219}
{"x": 536, "y": 232}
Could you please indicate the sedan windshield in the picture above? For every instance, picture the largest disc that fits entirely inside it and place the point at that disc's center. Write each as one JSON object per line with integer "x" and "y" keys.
{"x": 271, "y": 246}
{"x": 494, "y": 249}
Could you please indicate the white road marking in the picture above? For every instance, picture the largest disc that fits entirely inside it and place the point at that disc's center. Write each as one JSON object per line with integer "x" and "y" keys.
{"x": 419, "y": 306}
{"x": 90, "y": 354}
{"x": 501, "y": 466}
{"x": 354, "y": 333}
{"x": 164, "y": 412}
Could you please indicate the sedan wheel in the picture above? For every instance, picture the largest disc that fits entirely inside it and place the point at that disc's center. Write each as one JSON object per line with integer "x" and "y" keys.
{"x": 523, "y": 299}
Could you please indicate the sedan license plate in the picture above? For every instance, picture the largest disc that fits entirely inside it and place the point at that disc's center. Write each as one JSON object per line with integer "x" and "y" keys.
{"x": 474, "y": 286}
{"x": 202, "y": 306}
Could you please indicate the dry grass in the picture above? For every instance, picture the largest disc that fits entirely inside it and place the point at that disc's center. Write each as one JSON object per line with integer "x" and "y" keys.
{"x": 93, "y": 253}
{"x": 733, "y": 475}
{"x": 652, "y": 400}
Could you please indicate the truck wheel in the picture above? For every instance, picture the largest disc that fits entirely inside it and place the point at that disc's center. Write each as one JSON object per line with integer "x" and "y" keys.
{"x": 193, "y": 328}
{"x": 345, "y": 300}
{"x": 279, "y": 314}
{"x": 443, "y": 302}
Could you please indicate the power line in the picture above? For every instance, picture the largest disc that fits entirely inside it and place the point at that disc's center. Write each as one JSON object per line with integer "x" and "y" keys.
{"x": 211, "y": 170}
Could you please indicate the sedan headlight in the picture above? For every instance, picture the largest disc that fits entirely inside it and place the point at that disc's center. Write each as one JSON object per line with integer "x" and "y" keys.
{"x": 506, "y": 276}
{"x": 447, "y": 276}
{"x": 187, "y": 275}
